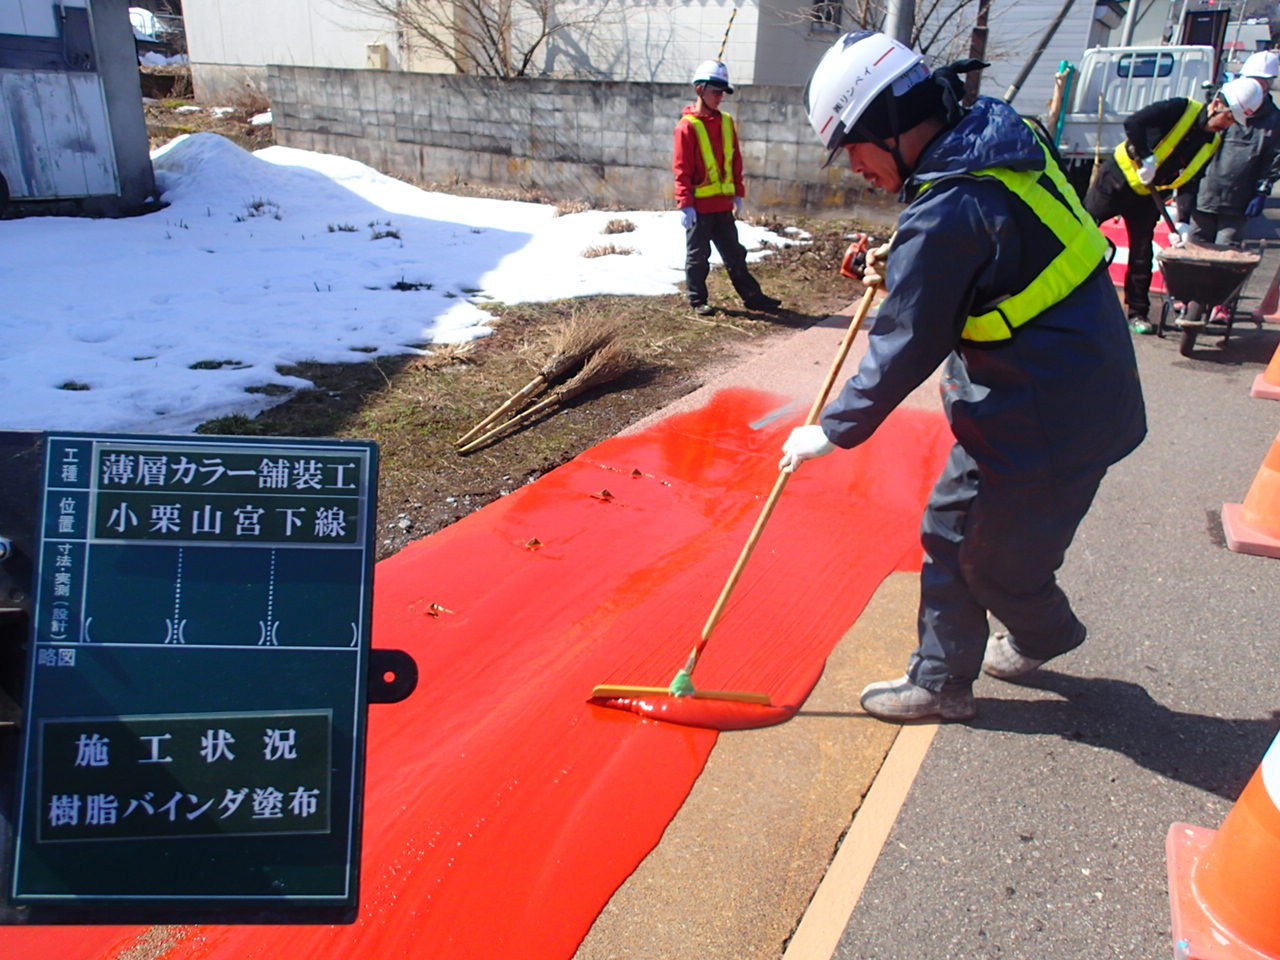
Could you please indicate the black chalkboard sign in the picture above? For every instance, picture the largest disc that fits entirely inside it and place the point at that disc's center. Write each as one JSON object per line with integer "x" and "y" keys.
{"x": 193, "y": 718}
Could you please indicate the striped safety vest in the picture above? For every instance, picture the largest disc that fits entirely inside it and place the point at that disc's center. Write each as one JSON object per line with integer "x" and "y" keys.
{"x": 719, "y": 182}
{"x": 1083, "y": 249}
{"x": 1168, "y": 143}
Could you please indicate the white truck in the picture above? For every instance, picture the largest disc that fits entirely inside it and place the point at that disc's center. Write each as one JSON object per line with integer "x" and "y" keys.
{"x": 1087, "y": 118}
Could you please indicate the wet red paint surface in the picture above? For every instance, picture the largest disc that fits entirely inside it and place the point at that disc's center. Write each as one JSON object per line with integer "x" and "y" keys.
{"x": 502, "y": 808}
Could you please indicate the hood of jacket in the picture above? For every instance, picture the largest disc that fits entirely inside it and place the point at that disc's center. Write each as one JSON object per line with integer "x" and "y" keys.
{"x": 991, "y": 134}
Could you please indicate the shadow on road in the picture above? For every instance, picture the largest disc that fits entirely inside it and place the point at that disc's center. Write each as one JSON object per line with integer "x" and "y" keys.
{"x": 1216, "y": 754}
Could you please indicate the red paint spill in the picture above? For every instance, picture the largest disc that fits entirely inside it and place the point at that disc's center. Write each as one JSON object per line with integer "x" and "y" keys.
{"x": 502, "y": 809}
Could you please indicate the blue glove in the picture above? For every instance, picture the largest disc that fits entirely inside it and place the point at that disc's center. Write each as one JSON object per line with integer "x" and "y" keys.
{"x": 1255, "y": 205}
{"x": 737, "y": 204}
{"x": 689, "y": 216}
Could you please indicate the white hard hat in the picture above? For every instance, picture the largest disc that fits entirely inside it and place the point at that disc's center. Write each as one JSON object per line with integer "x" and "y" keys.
{"x": 1243, "y": 96}
{"x": 850, "y": 76}
{"x": 714, "y": 73}
{"x": 1264, "y": 64}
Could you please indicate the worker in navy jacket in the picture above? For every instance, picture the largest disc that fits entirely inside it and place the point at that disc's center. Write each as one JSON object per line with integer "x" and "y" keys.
{"x": 998, "y": 274}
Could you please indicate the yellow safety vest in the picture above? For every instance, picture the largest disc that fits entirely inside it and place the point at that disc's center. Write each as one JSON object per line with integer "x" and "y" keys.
{"x": 719, "y": 182}
{"x": 1083, "y": 249}
{"x": 1165, "y": 147}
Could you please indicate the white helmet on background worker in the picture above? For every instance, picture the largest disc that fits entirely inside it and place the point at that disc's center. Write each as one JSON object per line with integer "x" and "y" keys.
{"x": 858, "y": 68}
{"x": 1263, "y": 65}
{"x": 714, "y": 74}
{"x": 1243, "y": 96}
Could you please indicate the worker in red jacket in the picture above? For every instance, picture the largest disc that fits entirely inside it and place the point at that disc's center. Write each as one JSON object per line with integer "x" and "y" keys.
{"x": 707, "y": 163}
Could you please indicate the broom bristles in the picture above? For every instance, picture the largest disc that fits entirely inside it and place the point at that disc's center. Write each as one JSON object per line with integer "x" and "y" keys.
{"x": 573, "y": 340}
{"x": 608, "y": 363}
{"x": 570, "y": 342}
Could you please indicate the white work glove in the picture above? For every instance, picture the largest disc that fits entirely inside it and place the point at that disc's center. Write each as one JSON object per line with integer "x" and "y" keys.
{"x": 1180, "y": 233}
{"x": 1147, "y": 171}
{"x": 688, "y": 216}
{"x": 737, "y": 205}
{"x": 805, "y": 443}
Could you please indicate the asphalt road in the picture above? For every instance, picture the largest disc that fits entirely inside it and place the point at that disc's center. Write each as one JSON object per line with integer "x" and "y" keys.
{"x": 1038, "y": 830}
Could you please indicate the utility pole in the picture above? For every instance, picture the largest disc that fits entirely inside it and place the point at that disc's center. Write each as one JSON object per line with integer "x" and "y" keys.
{"x": 977, "y": 50}
{"x": 1130, "y": 21}
{"x": 900, "y": 20}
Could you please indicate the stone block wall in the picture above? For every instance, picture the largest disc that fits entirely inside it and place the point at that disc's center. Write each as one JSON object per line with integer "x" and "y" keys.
{"x": 608, "y": 142}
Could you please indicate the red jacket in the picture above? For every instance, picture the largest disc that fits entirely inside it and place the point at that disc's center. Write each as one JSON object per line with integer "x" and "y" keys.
{"x": 689, "y": 170}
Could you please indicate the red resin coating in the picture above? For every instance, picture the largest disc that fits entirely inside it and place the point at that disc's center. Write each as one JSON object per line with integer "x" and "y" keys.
{"x": 502, "y": 809}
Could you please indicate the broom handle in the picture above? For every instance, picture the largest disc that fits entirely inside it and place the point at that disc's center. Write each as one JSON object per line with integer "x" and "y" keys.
{"x": 510, "y": 402}
{"x": 781, "y": 482}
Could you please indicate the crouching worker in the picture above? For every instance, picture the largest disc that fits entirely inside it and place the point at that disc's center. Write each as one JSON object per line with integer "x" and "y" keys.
{"x": 997, "y": 271}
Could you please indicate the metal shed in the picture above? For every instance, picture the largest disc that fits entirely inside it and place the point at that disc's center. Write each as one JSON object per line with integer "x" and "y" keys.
{"x": 73, "y": 139}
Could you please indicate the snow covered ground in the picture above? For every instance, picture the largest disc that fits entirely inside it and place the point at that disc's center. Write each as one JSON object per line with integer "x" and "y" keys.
{"x": 158, "y": 323}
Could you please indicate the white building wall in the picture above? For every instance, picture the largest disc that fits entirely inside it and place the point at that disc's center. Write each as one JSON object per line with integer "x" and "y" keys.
{"x": 230, "y": 42}
{"x": 1016, "y": 27}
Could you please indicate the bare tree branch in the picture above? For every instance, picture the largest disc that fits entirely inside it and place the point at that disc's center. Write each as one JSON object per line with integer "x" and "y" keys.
{"x": 499, "y": 38}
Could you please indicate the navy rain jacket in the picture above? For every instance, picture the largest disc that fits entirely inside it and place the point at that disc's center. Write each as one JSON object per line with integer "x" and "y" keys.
{"x": 1060, "y": 400}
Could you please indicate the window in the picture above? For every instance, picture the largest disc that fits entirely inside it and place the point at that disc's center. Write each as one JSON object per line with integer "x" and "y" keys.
{"x": 1145, "y": 65}
{"x": 826, "y": 16}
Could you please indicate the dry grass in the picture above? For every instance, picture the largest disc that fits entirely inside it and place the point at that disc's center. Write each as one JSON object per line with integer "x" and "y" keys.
{"x": 607, "y": 250}
{"x": 618, "y": 225}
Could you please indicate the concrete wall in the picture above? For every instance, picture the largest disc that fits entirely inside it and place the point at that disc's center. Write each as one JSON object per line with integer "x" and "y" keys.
{"x": 604, "y": 141}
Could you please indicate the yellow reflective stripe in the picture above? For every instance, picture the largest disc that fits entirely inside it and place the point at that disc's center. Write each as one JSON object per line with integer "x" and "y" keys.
{"x": 717, "y": 182}
{"x": 1168, "y": 143}
{"x": 1203, "y": 155}
{"x": 1083, "y": 248}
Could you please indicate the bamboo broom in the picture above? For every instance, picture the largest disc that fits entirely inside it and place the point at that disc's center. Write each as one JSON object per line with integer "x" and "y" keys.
{"x": 571, "y": 343}
{"x": 608, "y": 363}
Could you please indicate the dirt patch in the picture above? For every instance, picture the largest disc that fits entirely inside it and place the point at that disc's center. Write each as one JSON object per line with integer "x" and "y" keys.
{"x": 415, "y": 407}
{"x": 171, "y": 112}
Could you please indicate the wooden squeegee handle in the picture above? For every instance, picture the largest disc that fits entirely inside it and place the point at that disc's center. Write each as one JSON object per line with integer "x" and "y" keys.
{"x": 859, "y": 315}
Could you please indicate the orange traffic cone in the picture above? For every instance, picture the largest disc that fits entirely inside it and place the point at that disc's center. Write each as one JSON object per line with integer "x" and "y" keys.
{"x": 1254, "y": 526}
{"x": 1270, "y": 301}
{"x": 1224, "y": 889}
{"x": 1267, "y": 383}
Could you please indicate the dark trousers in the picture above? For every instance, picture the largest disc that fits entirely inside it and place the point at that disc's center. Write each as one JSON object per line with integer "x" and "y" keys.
{"x": 1107, "y": 198}
{"x": 722, "y": 230}
{"x": 994, "y": 546}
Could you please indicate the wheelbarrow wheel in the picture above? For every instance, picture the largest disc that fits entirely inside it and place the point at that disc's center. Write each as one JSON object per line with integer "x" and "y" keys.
{"x": 1187, "y": 345}
{"x": 1191, "y": 324}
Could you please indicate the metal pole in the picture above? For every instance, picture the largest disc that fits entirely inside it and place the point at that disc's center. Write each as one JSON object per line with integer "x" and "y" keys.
{"x": 1044, "y": 42}
{"x": 900, "y": 20}
{"x": 1130, "y": 21}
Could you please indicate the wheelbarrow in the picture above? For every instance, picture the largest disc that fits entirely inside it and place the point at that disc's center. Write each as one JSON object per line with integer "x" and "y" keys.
{"x": 1203, "y": 276}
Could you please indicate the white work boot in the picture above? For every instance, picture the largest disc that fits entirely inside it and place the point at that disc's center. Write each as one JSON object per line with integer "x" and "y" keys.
{"x": 1003, "y": 660}
{"x": 902, "y": 700}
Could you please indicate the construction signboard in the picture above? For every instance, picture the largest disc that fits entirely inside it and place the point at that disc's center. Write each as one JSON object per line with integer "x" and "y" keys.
{"x": 193, "y": 718}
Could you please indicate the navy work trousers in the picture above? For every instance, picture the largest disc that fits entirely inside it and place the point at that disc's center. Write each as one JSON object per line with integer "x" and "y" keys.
{"x": 994, "y": 546}
{"x": 722, "y": 230}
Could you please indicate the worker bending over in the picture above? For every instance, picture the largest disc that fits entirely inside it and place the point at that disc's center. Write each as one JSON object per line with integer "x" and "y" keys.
{"x": 997, "y": 272}
{"x": 1166, "y": 147}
